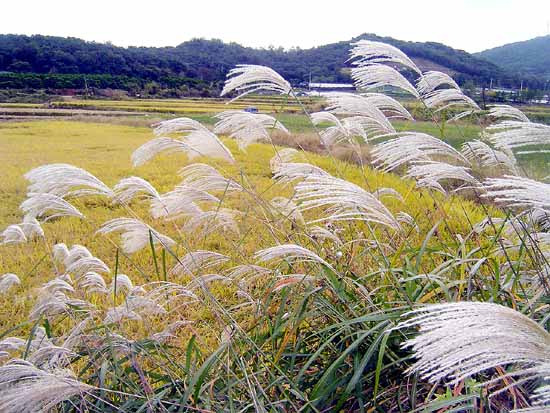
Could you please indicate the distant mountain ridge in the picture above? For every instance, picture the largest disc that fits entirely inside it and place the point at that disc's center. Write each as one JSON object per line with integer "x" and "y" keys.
{"x": 27, "y": 61}
{"x": 530, "y": 57}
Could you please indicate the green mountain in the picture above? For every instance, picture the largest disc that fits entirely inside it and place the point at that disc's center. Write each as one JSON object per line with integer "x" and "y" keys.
{"x": 200, "y": 66}
{"x": 531, "y": 57}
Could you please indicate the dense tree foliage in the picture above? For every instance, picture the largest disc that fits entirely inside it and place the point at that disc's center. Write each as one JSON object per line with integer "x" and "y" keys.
{"x": 58, "y": 63}
{"x": 531, "y": 57}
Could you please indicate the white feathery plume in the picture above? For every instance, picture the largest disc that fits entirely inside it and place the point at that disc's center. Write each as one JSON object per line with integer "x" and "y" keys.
{"x": 347, "y": 129}
{"x": 442, "y": 99}
{"x": 374, "y": 76}
{"x": 75, "y": 253}
{"x": 290, "y": 280}
{"x": 122, "y": 284}
{"x": 388, "y": 192}
{"x": 248, "y": 272}
{"x": 12, "y": 344}
{"x": 247, "y": 127}
{"x": 515, "y": 191}
{"x": 430, "y": 174}
{"x": 181, "y": 201}
{"x": 7, "y": 281}
{"x": 345, "y": 201}
{"x": 387, "y": 105}
{"x": 287, "y": 208}
{"x": 133, "y": 187}
{"x": 460, "y": 340}
{"x": 177, "y": 125}
{"x": 93, "y": 282}
{"x": 134, "y": 308}
{"x": 208, "y": 222}
{"x": 479, "y": 152}
{"x": 507, "y": 112}
{"x": 13, "y": 234}
{"x": 282, "y": 156}
{"x": 55, "y": 304}
{"x": 194, "y": 261}
{"x": 412, "y": 147}
{"x": 431, "y": 80}
{"x": 205, "y": 143}
{"x": 51, "y": 357}
{"x": 153, "y": 147}
{"x": 246, "y": 79}
{"x": 514, "y": 134}
{"x": 24, "y": 388}
{"x": 31, "y": 227}
{"x": 60, "y": 252}
{"x": 204, "y": 280}
{"x": 57, "y": 284}
{"x": 203, "y": 177}
{"x": 87, "y": 264}
{"x": 368, "y": 51}
{"x": 135, "y": 234}
{"x": 289, "y": 251}
{"x": 167, "y": 293}
{"x": 376, "y": 106}
{"x": 287, "y": 172}
{"x": 48, "y": 206}
{"x": 322, "y": 233}
{"x": 60, "y": 179}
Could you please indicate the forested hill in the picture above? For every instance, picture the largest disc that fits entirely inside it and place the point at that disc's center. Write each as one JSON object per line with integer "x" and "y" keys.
{"x": 202, "y": 64}
{"x": 531, "y": 57}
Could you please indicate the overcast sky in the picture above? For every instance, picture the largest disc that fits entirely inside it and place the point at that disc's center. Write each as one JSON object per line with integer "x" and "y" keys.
{"x": 472, "y": 25}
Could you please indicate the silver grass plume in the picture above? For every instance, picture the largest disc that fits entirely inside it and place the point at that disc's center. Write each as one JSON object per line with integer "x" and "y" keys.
{"x": 247, "y": 128}
{"x": 478, "y": 152}
{"x": 377, "y": 106}
{"x": 287, "y": 208}
{"x": 323, "y": 233}
{"x": 13, "y": 234}
{"x": 76, "y": 253}
{"x": 507, "y": 112}
{"x": 290, "y": 252}
{"x": 194, "y": 261}
{"x": 24, "y": 388}
{"x": 60, "y": 252}
{"x": 121, "y": 284}
{"x": 430, "y": 174}
{"x": 12, "y": 344}
{"x": 7, "y": 281}
{"x": 248, "y": 272}
{"x": 246, "y": 79}
{"x": 460, "y": 340}
{"x": 208, "y": 222}
{"x": 48, "y": 206}
{"x": 344, "y": 201}
{"x": 282, "y": 156}
{"x": 53, "y": 305}
{"x": 413, "y": 147}
{"x": 374, "y": 76}
{"x": 170, "y": 331}
{"x": 515, "y": 191}
{"x": 431, "y": 80}
{"x": 86, "y": 264}
{"x": 166, "y": 294}
{"x": 133, "y": 187}
{"x": 368, "y": 51}
{"x": 286, "y": 172}
{"x": 60, "y": 179}
{"x": 203, "y": 177}
{"x": 153, "y": 147}
{"x": 196, "y": 140}
{"x": 135, "y": 234}
{"x": 182, "y": 201}
{"x": 92, "y": 282}
{"x": 442, "y": 99}
{"x": 57, "y": 284}
{"x": 514, "y": 135}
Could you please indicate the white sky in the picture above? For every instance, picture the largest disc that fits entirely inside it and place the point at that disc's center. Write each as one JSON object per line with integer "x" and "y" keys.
{"x": 472, "y": 25}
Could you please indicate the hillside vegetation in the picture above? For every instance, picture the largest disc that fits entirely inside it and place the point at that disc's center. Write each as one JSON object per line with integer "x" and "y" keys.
{"x": 200, "y": 65}
{"x": 530, "y": 57}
